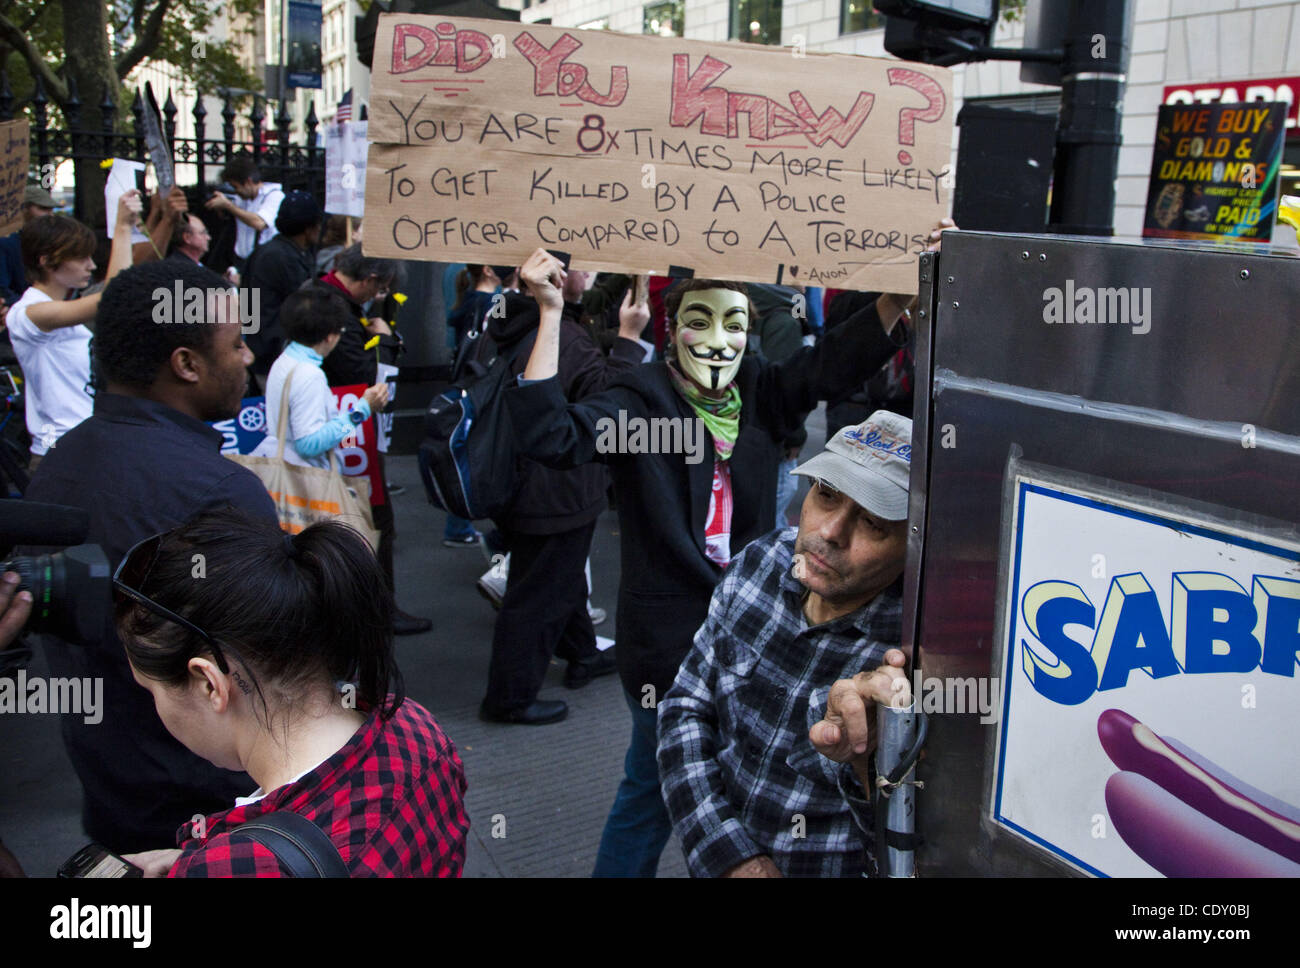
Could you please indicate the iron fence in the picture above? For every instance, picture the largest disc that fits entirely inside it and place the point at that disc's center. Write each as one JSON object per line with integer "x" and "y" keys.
{"x": 300, "y": 166}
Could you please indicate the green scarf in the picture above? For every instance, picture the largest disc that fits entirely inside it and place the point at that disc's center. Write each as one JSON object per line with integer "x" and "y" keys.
{"x": 720, "y": 415}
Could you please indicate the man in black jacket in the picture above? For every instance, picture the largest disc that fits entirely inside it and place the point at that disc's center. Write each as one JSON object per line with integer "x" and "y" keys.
{"x": 362, "y": 280}
{"x": 681, "y": 520}
{"x": 551, "y": 523}
{"x": 145, "y": 462}
{"x": 277, "y": 269}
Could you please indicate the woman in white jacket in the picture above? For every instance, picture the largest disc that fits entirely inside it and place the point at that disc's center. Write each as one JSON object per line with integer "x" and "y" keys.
{"x": 313, "y": 320}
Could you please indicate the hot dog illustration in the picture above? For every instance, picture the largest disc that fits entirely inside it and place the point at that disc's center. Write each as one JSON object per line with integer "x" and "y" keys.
{"x": 1201, "y": 785}
{"x": 1180, "y": 841}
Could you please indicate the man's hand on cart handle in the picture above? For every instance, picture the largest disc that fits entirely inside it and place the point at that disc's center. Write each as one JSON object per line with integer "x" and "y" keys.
{"x": 845, "y": 733}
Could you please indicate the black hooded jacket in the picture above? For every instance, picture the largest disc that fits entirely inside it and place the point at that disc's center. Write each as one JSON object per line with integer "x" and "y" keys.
{"x": 551, "y": 501}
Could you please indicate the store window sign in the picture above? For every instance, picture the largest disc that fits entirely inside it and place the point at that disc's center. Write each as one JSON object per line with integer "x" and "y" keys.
{"x": 1229, "y": 92}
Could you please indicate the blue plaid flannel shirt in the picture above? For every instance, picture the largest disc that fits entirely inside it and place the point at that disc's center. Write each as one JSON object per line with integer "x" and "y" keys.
{"x": 740, "y": 777}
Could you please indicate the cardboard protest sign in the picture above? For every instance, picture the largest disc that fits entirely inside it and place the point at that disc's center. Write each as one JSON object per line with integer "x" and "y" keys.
{"x": 490, "y": 139}
{"x": 1214, "y": 171}
{"x": 14, "y": 161}
{"x": 345, "y": 168}
{"x": 360, "y": 455}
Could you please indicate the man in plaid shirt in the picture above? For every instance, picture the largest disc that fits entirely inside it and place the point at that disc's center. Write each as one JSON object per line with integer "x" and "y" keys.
{"x": 743, "y": 730}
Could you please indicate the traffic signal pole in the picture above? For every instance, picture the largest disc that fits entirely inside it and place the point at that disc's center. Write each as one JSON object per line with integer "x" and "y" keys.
{"x": 1088, "y": 134}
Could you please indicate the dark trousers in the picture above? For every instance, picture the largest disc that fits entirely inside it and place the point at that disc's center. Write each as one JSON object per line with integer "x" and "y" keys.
{"x": 543, "y": 613}
{"x": 387, "y": 528}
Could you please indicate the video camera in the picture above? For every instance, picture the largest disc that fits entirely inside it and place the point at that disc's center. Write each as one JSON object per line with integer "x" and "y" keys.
{"x": 70, "y": 588}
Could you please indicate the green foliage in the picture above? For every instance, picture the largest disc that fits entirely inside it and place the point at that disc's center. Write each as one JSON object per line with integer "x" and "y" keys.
{"x": 1013, "y": 10}
{"x": 183, "y": 42}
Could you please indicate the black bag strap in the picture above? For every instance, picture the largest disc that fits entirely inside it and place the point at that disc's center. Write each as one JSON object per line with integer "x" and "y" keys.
{"x": 298, "y": 844}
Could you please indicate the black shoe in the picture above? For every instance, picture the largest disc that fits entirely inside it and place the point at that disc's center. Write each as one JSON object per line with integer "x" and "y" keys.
{"x": 541, "y": 712}
{"x": 578, "y": 674}
{"x": 404, "y": 624}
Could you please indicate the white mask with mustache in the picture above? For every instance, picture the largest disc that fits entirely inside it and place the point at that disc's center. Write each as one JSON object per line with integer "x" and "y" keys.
{"x": 711, "y": 336}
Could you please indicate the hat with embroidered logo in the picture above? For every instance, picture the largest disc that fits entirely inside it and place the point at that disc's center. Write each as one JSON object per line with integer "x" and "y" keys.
{"x": 870, "y": 462}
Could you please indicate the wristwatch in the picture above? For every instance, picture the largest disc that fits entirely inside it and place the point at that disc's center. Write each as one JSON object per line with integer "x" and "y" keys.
{"x": 356, "y": 417}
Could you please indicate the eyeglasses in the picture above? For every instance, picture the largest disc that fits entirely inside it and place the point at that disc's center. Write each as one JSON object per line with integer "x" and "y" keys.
{"x": 131, "y": 575}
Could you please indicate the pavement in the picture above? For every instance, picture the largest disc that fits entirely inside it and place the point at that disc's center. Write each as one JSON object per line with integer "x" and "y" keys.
{"x": 538, "y": 795}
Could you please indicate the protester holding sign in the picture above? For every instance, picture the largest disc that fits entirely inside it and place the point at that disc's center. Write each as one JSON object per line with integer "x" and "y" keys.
{"x": 253, "y": 207}
{"x": 681, "y": 518}
{"x": 47, "y": 330}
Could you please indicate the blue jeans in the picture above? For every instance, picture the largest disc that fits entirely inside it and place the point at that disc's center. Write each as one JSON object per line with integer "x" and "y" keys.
{"x": 638, "y": 826}
{"x": 785, "y": 490}
{"x": 457, "y": 528}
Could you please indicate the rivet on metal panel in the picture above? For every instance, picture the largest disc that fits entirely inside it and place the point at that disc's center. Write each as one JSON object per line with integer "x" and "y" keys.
{"x": 1245, "y": 273}
{"x": 955, "y": 304}
{"x": 1024, "y": 255}
{"x": 915, "y": 529}
{"x": 950, "y": 278}
{"x": 1042, "y": 257}
{"x": 922, "y": 312}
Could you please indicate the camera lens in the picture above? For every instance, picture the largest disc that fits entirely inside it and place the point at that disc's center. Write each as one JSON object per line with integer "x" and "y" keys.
{"x": 70, "y": 590}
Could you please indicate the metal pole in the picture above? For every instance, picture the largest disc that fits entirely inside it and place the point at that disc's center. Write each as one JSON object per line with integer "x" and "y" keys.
{"x": 1088, "y": 138}
{"x": 897, "y": 730}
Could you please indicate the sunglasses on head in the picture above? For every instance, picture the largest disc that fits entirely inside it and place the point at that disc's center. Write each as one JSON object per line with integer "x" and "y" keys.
{"x": 131, "y": 576}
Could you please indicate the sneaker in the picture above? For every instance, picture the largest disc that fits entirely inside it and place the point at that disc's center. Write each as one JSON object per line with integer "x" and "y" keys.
{"x": 492, "y": 583}
{"x": 470, "y": 540}
{"x": 597, "y": 615}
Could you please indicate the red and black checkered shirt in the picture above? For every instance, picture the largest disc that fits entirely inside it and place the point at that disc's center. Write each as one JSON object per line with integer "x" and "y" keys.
{"x": 391, "y": 800}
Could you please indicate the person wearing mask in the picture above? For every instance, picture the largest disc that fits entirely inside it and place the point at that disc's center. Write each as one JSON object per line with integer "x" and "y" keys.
{"x": 278, "y": 268}
{"x": 364, "y": 282}
{"x": 280, "y": 664}
{"x": 48, "y": 330}
{"x": 146, "y": 461}
{"x": 314, "y": 320}
{"x": 253, "y": 208}
{"x": 681, "y": 517}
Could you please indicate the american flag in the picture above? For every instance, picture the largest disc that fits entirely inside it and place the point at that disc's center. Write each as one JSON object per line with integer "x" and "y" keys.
{"x": 344, "y": 110}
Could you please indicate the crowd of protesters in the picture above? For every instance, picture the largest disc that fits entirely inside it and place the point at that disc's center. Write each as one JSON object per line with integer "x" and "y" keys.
{"x": 749, "y": 650}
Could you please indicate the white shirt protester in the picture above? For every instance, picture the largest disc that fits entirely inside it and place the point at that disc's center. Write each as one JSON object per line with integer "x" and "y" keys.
{"x": 266, "y": 205}
{"x": 56, "y": 367}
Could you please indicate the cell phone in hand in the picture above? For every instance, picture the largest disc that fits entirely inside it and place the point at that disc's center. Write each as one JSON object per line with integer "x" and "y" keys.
{"x": 96, "y": 861}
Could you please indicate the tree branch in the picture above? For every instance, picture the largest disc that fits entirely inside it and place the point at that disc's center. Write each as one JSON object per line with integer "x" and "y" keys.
{"x": 16, "y": 38}
{"x": 146, "y": 41}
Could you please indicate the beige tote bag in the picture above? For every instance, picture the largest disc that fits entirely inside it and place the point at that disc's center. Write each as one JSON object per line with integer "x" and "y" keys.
{"x": 305, "y": 495}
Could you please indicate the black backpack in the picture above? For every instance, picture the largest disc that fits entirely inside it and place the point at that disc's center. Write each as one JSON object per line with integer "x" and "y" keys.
{"x": 468, "y": 460}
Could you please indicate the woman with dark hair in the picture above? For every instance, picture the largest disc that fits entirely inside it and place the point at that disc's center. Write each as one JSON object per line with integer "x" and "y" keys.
{"x": 273, "y": 654}
{"x": 48, "y": 329}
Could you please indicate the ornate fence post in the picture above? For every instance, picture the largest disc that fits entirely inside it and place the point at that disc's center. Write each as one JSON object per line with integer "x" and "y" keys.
{"x": 315, "y": 179}
{"x": 200, "y": 137}
{"x": 137, "y": 122}
{"x": 256, "y": 119}
{"x": 40, "y": 124}
{"x": 72, "y": 115}
{"x": 282, "y": 135}
{"x": 108, "y": 124}
{"x": 228, "y": 127}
